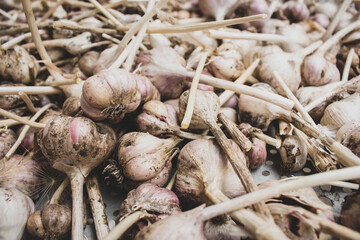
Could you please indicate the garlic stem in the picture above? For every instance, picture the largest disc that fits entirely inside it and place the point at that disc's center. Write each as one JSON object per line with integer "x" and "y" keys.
{"x": 57, "y": 195}
{"x": 291, "y": 96}
{"x": 125, "y": 224}
{"x": 32, "y": 90}
{"x": 171, "y": 183}
{"x": 347, "y": 67}
{"x": 244, "y": 143}
{"x": 20, "y": 119}
{"x": 26, "y": 129}
{"x": 302, "y": 53}
{"x": 75, "y": 80}
{"x": 192, "y": 94}
{"x": 337, "y": 37}
{"x": 59, "y": 24}
{"x": 343, "y": 184}
{"x": 317, "y": 179}
{"x": 345, "y": 4}
{"x": 267, "y": 139}
{"x": 345, "y": 86}
{"x": 37, "y": 40}
{"x": 27, "y": 101}
{"x": 11, "y": 122}
{"x": 138, "y": 40}
{"x": 51, "y": 11}
{"x": 97, "y": 207}
{"x": 227, "y": 94}
{"x": 16, "y": 40}
{"x": 248, "y": 36}
{"x": 243, "y": 89}
{"x": 132, "y": 31}
{"x": 238, "y": 164}
{"x": 188, "y": 135}
{"x": 77, "y": 183}
{"x": 104, "y": 11}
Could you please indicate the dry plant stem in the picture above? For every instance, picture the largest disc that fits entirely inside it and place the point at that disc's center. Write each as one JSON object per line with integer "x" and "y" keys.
{"x": 317, "y": 179}
{"x": 291, "y": 96}
{"x": 345, "y": 155}
{"x": 346, "y": 70}
{"x": 37, "y": 40}
{"x": 235, "y": 133}
{"x": 125, "y": 224}
{"x": 32, "y": 90}
{"x": 5, "y": 14}
{"x": 27, "y": 101}
{"x": 218, "y": 34}
{"x": 75, "y": 80}
{"x": 17, "y": 40}
{"x": 180, "y": 28}
{"x": 338, "y": 90}
{"x": 248, "y": 218}
{"x": 321, "y": 161}
{"x": 61, "y": 43}
{"x": 22, "y": 28}
{"x": 227, "y": 94}
{"x": 171, "y": 183}
{"x": 138, "y": 40}
{"x": 239, "y": 165}
{"x": 97, "y": 207}
{"x": 20, "y": 119}
{"x": 108, "y": 37}
{"x": 11, "y": 122}
{"x": 243, "y": 89}
{"x": 192, "y": 94}
{"x": 112, "y": 63}
{"x": 57, "y": 195}
{"x": 343, "y": 184}
{"x": 51, "y": 11}
{"x": 25, "y": 130}
{"x": 345, "y": 4}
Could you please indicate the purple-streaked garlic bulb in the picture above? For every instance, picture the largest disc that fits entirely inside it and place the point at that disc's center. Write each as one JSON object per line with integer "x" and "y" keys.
{"x": 230, "y": 113}
{"x": 159, "y": 202}
{"x": 348, "y": 135}
{"x": 293, "y": 154}
{"x": 75, "y": 146}
{"x": 317, "y": 69}
{"x": 156, "y": 120}
{"x": 28, "y": 142}
{"x": 231, "y": 103}
{"x": 87, "y": 62}
{"x": 143, "y": 156}
{"x": 337, "y": 114}
{"x": 249, "y": 8}
{"x": 218, "y": 9}
{"x": 156, "y": 65}
{"x": 18, "y": 65}
{"x": 196, "y": 162}
{"x": 321, "y": 19}
{"x": 223, "y": 227}
{"x": 7, "y": 139}
{"x": 295, "y": 11}
{"x": 257, "y": 154}
{"x": 147, "y": 90}
{"x": 22, "y": 173}
{"x": 350, "y": 211}
{"x": 226, "y": 63}
{"x": 173, "y": 111}
{"x": 257, "y": 112}
{"x": 272, "y": 25}
{"x": 110, "y": 94}
{"x": 15, "y": 209}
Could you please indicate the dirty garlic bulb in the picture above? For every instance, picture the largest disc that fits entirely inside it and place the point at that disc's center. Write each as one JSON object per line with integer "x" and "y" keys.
{"x": 110, "y": 94}
{"x": 293, "y": 154}
{"x": 7, "y": 139}
{"x": 348, "y": 135}
{"x": 18, "y": 65}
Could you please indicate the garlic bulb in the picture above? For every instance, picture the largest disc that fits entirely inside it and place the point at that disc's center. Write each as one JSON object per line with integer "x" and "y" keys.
{"x": 20, "y": 172}
{"x": 295, "y": 11}
{"x": 15, "y": 209}
{"x": 110, "y": 94}
{"x": 218, "y": 9}
{"x": 341, "y": 112}
{"x": 87, "y": 62}
{"x": 196, "y": 163}
{"x": 348, "y": 136}
{"x": 154, "y": 64}
{"x": 293, "y": 154}
{"x": 142, "y": 156}
{"x": 71, "y": 106}
{"x": 18, "y": 65}
{"x": 56, "y": 220}
{"x": 350, "y": 211}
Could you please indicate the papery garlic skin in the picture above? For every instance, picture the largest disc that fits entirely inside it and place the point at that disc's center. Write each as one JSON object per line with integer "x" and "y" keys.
{"x": 317, "y": 71}
{"x": 87, "y": 62}
{"x": 7, "y": 139}
{"x": 15, "y": 209}
{"x": 349, "y": 136}
{"x": 18, "y": 65}
{"x": 218, "y": 9}
{"x": 20, "y": 172}
{"x": 293, "y": 154}
{"x": 110, "y": 94}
